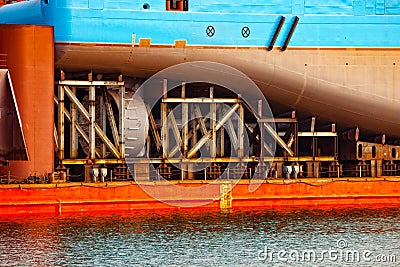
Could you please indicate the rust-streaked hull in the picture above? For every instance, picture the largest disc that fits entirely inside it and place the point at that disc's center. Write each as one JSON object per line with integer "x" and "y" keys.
{"x": 30, "y": 56}
{"x": 125, "y": 196}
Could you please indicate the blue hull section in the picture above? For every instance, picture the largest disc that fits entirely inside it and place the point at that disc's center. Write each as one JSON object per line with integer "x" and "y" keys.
{"x": 336, "y": 23}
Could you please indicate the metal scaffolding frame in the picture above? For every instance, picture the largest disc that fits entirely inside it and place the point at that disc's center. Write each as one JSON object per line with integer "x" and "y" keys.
{"x": 186, "y": 132}
{"x": 96, "y": 155}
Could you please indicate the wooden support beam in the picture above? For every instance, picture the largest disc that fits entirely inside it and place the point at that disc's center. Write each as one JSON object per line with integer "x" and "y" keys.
{"x": 97, "y": 128}
{"x": 122, "y": 121}
{"x": 207, "y": 136}
{"x": 176, "y": 133}
{"x": 232, "y": 134}
{"x": 92, "y": 118}
{"x": 79, "y": 129}
{"x": 153, "y": 127}
{"x": 74, "y": 136}
{"x": 185, "y": 122}
{"x": 213, "y": 110}
{"x": 241, "y": 132}
{"x": 60, "y": 122}
{"x": 164, "y": 121}
{"x": 255, "y": 136}
{"x": 103, "y": 117}
{"x": 111, "y": 118}
{"x": 278, "y": 139}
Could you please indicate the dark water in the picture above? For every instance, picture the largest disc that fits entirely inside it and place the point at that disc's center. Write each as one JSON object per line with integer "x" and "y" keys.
{"x": 295, "y": 237}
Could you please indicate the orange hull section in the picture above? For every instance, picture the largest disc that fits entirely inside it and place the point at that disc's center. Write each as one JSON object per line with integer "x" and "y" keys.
{"x": 125, "y": 196}
{"x": 30, "y": 56}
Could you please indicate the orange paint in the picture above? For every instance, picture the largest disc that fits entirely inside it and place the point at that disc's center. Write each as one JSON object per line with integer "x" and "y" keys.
{"x": 30, "y": 60}
{"x": 125, "y": 196}
{"x": 335, "y": 192}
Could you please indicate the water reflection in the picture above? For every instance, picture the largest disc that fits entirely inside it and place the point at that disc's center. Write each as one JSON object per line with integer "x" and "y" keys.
{"x": 192, "y": 238}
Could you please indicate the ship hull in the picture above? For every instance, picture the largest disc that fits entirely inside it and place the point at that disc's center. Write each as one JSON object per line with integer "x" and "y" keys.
{"x": 127, "y": 196}
{"x": 352, "y": 87}
{"x": 338, "y": 60}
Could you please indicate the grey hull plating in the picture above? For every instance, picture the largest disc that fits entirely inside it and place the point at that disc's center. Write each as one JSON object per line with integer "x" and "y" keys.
{"x": 355, "y": 88}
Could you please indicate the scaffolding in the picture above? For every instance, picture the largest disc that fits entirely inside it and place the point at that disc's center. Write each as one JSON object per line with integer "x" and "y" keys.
{"x": 197, "y": 137}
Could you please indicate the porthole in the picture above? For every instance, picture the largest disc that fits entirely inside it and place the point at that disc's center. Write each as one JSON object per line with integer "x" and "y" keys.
{"x": 210, "y": 31}
{"x": 245, "y": 32}
{"x": 146, "y": 6}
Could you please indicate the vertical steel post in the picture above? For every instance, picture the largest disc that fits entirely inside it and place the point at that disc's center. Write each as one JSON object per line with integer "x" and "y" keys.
{"x": 295, "y": 134}
{"x": 194, "y": 125}
{"x": 103, "y": 116}
{"x": 261, "y": 131}
{"x": 74, "y": 135}
{"x": 92, "y": 117}
{"x": 148, "y": 148}
{"x": 185, "y": 129}
{"x": 213, "y": 110}
{"x": 373, "y": 168}
{"x": 194, "y": 130}
{"x": 314, "y": 148}
{"x": 164, "y": 118}
{"x": 222, "y": 142}
{"x": 241, "y": 132}
{"x": 60, "y": 122}
{"x": 122, "y": 121}
{"x": 185, "y": 118}
{"x": 379, "y": 167}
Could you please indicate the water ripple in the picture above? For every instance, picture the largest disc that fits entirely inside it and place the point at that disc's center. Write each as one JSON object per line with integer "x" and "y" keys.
{"x": 198, "y": 238}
